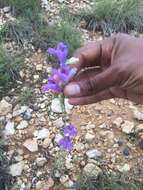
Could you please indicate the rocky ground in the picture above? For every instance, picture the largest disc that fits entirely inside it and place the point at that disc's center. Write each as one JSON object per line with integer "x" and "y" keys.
{"x": 110, "y": 133}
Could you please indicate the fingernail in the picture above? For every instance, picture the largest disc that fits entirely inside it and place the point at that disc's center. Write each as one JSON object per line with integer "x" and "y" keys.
{"x": 72, "y": 89}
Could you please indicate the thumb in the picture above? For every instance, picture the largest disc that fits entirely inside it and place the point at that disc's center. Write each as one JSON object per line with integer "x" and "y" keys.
{"x": 92, "y": 85}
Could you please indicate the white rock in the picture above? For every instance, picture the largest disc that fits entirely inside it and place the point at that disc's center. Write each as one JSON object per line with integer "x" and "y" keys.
{"x": 56, "y": 106}
{"x": 124, "y": 168}
{"x": 41, "y": 161}
{"x": 92, "y": 169}
{"x": 93, "y": 153}
{"x": 139, "y": 127}
{"x": 118, "y": 121}
{"x": 58, "y": 137}
{"x": 23, "y": 109}
{"x": 31, "y": 145}
{"x": 6, "y": 9}
{"x": 79, "y": 146}
{"x": 58, "y": 123}
{"x": 103, "y": 126}
{"x": 68, "y": 107}
{"x": 138, "y": 115}
{"x": 16, "y": 169}
{"x": 89, "y": 137}
{"x": 46, "y": 142}
{"x": 64, "y": 179}
{"x": 5, "y": 107}
{"x": 42, "y": 134}
{"x": 9, "y": 129}
{"x": 127, "y": 127}
{"x": 22, "y": 125}
{"x": 39, "y": 67}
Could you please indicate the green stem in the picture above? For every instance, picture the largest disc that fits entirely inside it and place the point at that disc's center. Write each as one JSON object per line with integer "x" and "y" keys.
{"x": 62, "y": 101}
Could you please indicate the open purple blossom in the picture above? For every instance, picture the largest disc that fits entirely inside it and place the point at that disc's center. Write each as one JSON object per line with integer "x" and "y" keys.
{"x": 66, "y": 143}
{"x": 70, "y": 131}
{"x": 60, "y": 52}
{"x": 58, "y": 79}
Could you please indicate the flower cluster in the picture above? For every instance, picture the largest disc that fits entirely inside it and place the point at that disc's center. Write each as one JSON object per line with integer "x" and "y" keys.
{"x": 63, "y": 74}
{"x": 69, "y": 132}
{"x": 56, "y": 82}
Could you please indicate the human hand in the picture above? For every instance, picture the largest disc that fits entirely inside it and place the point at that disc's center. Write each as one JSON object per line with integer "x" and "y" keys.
{"x": 112, "y": 68}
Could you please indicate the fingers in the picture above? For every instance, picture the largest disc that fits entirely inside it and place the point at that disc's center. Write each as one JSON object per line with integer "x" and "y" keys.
{"x": 104, "y": 95}
{"x": 92, "y": 85}
{"x": 94, "y": 54}
{"x": 114, "y": 92}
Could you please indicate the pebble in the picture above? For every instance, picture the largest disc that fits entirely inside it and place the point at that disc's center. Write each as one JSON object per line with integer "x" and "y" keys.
{"x": 139, "y": 128}
{"x": 103, "y": 126}
{"x": 124, "y": 168}
{"x": 92, "y": 169}
{"x": 89, "y": 137}
{"x": 23, "y": 124}
{"x": 31, "y": 145}
{"x": 9, "y": 129}
{"x": 93, "y": 153}
{"x": 117, "y": 122}
{"x": 68, "y": 107}
{"x": 39, "y": 67}
{"x": 41, "y": 161}
{"x": 137, "y": 114}
{"x": 56, "y": 106}
{"x": 6, "y": 9}
{"x": 58, "y": 137}
{"x": 58, "y": 123}
{"x": 64, "y": 179}
{"x": 16, "y": 169}
{"x": 5, "y": 107}
{"x": 127, "y": 127}
{"x": 42, "y": 134}
{"x": 46, "y": 142}
{"x": 49, "y": 184}
{"x": 126, "y": 152}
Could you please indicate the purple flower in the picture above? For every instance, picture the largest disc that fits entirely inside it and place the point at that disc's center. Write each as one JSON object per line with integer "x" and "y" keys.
{"x": 58, "y": 79}
{"x": 66, "y": 143}
{"x": 60, "y": 52}
{"x": 70, "y": 131}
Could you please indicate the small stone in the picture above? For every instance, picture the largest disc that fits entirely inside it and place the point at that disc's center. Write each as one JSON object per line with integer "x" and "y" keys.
{"x": 124, "y": 168}
{"x": 139, "y": 128}
{"x": 138, "y": 115}
{"x": 93, "y": 153}
{"x": 36, "y": 77}
{"x": 39, "y": 67}
{"x": 117, "y": 122}
{"x": 89, "y": 137}
{"x": 103, "y": 126}
{"x": 6, "y": 9}
{"x": 127, "y": 127}
{"x": 68, "y": 107}
{"x": 39, "y": 185}
{"x": 49, "y": 184}
{"x": 42, "y": 134}
{"x": 58, "y": 123}
{"x": 126, "y": 151}
{"x": 9, "y": 129}
{"x": 41, "y": 161}
{"x": 16, "y": 169}
{"x": 46, "y": 142}
{"x": 5, "y": 107}
{"x": 27, "y": 115}
{"x": 58, "y": 137}
{"x": 79, "y": 146}
{"x": 64, "y": 179}
{"x": 92, "y": 169}
{"x": 56, "y": 106}
{"x": 31, "y": 145}
{"x": 23, "y": 124}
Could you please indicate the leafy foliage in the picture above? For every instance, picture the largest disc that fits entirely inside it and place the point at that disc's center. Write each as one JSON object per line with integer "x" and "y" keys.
{"x": 9, "y": 69}
{"x": 111, "y": 16}
{"x": 108, "y": 182}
